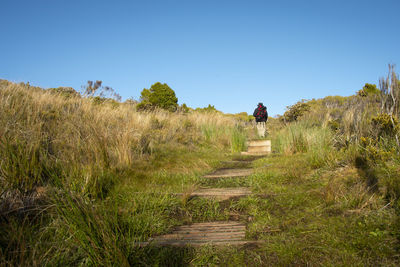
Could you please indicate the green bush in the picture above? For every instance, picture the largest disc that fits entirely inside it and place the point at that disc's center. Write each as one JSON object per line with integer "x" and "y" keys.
{"x": 295, "y": 111}
{"x": 184, "y": 108}
{"x": 368, "y": 89}
{"x": 209, "y": 108}
{"x": 159, "y": 95}
{"x": 385, "y": 125}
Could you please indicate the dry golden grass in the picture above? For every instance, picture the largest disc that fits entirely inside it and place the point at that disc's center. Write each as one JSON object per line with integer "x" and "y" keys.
{"x": 85, "y": 137}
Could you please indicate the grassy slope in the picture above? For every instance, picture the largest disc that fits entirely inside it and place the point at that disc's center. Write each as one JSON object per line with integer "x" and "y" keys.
{"x": 303, "y": 216}
{"x": 75, "y": 174}
{"x": 113, "y": 187}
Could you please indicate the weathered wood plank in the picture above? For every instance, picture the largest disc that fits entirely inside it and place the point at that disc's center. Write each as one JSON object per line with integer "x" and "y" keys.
{"x": 217, "y": 223}
{"x": 227, "y": 173}
{"x": 201, "y": 243}
{"x": 221, "y": 193}
{"x": 201, "y": 236}
{"x": 227, "y": 233}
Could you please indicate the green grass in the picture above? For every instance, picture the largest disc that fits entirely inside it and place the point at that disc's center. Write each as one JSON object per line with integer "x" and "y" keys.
{"x": 301, "y": 215}
{"x": 82, "y": 184}
{"x": 302, "y": 225}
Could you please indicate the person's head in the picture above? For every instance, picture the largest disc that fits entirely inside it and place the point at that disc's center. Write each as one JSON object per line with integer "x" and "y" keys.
{"x": 260, "y": 104}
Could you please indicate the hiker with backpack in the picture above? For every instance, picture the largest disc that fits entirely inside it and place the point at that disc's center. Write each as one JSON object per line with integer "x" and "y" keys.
{"x": 261, "y": 116}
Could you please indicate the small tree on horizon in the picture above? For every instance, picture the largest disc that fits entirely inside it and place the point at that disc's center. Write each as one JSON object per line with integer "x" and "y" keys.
{"x": 159, "y": 95}
{"x": 368, "y": 89}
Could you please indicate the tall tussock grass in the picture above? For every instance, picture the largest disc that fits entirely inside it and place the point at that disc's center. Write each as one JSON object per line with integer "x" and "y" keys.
{"x": 43, "y": 134}
{"x": 331, "y": 125}
{"x": 358, "y": 133}
{"x": 66, "y": 161}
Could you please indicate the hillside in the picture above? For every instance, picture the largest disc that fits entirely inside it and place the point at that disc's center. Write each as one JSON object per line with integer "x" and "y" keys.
{"x": 85, "y": 181}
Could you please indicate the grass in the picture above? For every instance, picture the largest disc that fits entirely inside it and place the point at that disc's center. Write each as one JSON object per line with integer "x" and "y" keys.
{"x": 82, "y": 183}
{"x": 310, "y": 221}
{"x": 108, "y": 173}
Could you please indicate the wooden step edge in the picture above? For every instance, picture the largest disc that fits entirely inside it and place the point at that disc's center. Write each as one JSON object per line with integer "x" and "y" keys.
{"x": 214, "y": 223}
{"x": 253, "y": 145}
{"x": 216, "y": 176}
{"x": 197, "y": 244}
{"x": 255, "y": 153}
{"x": 195, "y": 195}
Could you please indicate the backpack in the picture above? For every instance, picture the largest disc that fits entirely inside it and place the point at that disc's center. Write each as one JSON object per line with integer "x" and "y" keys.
{"x": 261, "y": 113}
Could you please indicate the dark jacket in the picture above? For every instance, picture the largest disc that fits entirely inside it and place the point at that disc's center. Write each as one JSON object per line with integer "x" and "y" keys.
{"x": 260, "y": 113}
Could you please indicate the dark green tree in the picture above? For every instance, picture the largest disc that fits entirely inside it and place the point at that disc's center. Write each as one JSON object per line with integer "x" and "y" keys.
{"x": 159, "y": 95}
{"x": 369, "y": 89}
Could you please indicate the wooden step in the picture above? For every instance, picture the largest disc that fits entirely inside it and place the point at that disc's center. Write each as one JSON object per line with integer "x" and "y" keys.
{"x": 197, "y": 234}
{"x": 222, "y": 193}
{"x": 227, "y": 173}
{"x": 256, "y": 143}
{"x": 262, "y": 149}
{"x": 258, "y": 147}
{"x": 255, "y": 153}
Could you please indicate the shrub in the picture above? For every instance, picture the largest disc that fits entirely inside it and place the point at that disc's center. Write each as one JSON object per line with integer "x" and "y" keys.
{"x": 385, "y": 125}
{"x": 159, "y": 95}
{"x": 210, "y": 108}
{"x": 334, "y": 125}
{"x": 372, "y": 151}
{"x": 368, "y": 90}
{"x": 184, "y": 108}
{"x": 295, "y": 111}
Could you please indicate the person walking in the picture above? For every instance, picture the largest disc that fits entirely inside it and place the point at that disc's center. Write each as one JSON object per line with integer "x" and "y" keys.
{"x": 261, "y": 116}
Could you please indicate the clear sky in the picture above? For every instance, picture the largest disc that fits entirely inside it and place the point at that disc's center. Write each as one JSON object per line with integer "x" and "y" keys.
{"x": 231, "y": 54}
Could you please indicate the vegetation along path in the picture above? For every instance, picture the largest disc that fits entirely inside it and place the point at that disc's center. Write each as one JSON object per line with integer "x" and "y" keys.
{"x": 296, "y": 214}
{"x": 93, "y": 182}
{"x": 217, "y": 232}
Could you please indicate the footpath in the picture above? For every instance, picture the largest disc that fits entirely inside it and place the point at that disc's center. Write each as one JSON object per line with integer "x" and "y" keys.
{"x": 230, "y": 232}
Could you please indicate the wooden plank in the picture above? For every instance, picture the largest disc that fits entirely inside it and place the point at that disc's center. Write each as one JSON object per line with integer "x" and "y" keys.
{"x": 255, "y": 153}
{"x": 217, "y": 223}
{"x": 229, "y": 233}
{"x": 212, "y": 228}
{"x": 254, "y": 143}
{"x": 213, "y": 236}
{"x": 221, "y": 193}
{"x": 201, "y": 243}
{"x": 227, "y": 173}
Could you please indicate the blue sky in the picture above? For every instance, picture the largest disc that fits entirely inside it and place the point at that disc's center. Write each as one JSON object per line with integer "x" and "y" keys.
{"x": 231, "y": 54}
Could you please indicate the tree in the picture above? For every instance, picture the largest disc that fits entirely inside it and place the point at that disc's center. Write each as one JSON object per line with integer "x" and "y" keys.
{"x": 159, "y": 95}
{"x": 368, "y": 89}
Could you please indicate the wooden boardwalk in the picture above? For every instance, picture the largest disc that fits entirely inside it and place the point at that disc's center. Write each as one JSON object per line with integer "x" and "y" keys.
{"x": 228, "y": 173}
{"x": 222, "y": 193}
{"x": 258, "y": 147}
{"x": 219, "y": 232}
{"x": 197, "y": 234}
